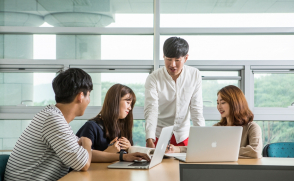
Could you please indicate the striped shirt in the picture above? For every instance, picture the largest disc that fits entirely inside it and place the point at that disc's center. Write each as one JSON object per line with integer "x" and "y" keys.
{"x": 46, "y": 149}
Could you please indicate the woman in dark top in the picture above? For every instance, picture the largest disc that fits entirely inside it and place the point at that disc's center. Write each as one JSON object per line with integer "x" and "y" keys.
{"x": 111, "y": 130}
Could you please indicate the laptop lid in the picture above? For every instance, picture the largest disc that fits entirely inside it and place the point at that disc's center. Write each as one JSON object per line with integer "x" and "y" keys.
{"x": 214, "y": 144}
{"x": 159, "y": 151}
{"x": 161, "y": 145}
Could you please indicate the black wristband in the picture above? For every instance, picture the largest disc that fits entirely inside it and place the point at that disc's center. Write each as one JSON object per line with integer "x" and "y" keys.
{"x": 121, "y": 156}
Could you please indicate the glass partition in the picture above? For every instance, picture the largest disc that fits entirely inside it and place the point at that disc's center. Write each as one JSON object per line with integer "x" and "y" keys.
{"x": 216, "y": 13}
{"x": 31, "y": 89}
{"x": 94, "y": 47}
{"x": 237, "y": 47}
{"x": 35, "y": 89}
{"x": 90, "y": 13}
{"x": 10, "y": 130}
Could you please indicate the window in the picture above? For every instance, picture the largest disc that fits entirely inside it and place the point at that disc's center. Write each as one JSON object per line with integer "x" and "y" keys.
{"x": 98, "y": 13}
{"x": 77, "y": 124}
{"x": 35, "y": 89}
{"x": 238, "y": 47}
{"x": 32, "y": 89}
{"x": 87, "y": 47}
{"x": 10, "y": 130}
{"x": 103, "y": 81}
{"x": 102, "y": 47}
{"x": 211, "y": 123}
{"x": 215, "y": 13}
{"x": 212, "y": 14}
{"x": 210, "y": 89}
{"x": 121, "y": 42}
{"x": 139, "y": 133}
{"x": 276, "y": 131}
{"x": 272, "y": 131}
{"x": 213, "y": 81}
{"x": 273, "y": 90}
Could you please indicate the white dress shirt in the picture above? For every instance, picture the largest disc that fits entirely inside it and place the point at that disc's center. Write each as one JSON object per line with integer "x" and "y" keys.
{"x": 169, "y": 103}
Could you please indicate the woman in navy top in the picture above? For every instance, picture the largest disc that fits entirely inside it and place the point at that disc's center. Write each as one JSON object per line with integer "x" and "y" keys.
{"x": 111, "y": 130}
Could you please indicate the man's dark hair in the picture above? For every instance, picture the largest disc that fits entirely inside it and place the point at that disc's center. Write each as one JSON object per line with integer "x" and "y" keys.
{"x": 175, "y": 47}
{"x": 67, "y": 84}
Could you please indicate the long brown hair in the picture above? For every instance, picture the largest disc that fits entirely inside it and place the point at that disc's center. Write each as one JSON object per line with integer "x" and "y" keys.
{"x": 239, "y": 110}
{"x": 113, "y": 126}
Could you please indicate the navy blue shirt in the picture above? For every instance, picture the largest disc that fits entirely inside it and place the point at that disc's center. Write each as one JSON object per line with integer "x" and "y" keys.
{"x": 94, "y": 131}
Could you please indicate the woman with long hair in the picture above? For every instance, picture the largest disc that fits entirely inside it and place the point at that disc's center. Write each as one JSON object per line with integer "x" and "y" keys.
{"x": 234, "y": 110}
{"x": 111, "y": 130}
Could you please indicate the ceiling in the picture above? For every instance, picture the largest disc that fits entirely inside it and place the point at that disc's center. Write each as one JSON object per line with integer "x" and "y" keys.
{"x": 43, "y": 7}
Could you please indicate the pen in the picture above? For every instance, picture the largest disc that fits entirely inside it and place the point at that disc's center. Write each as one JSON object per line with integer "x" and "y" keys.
{"x": 111, "y": 144}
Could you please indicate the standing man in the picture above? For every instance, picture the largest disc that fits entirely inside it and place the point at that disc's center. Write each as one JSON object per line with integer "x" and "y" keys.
{"x": 171, "y": 93}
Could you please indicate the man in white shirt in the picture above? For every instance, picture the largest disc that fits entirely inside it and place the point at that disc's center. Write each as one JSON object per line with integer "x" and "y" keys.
{"x": 171, "y": 93}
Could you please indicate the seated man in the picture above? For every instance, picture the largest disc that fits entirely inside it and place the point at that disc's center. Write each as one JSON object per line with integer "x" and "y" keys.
{"x": 171, "y": 93}
{"x": 48, "y": 147}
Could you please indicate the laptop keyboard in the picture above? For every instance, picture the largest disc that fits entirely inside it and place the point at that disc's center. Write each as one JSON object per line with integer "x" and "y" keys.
{"x": 140, "y": 164}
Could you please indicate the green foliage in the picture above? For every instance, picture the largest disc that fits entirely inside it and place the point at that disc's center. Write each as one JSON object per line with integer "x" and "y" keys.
{"x": 274, "y": 90}
{"x": 276, "y": 131}
{"x": 139, "y": 133}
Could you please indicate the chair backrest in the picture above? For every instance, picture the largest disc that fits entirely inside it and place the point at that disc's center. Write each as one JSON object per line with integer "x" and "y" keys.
{"x": 281, "y": 149}
{"x": 3, "y": 162}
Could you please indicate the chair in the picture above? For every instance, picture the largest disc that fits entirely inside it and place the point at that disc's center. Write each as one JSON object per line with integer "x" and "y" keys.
{"x": 3, "y": 162}
{"x": 281, "y": 149}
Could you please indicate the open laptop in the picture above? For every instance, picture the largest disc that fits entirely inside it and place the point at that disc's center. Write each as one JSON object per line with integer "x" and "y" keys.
{"x": 213, "y": 144}
{"x": 163, "y": 140}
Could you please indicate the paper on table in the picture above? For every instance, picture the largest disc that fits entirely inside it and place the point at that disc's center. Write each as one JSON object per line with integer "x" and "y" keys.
{"x": 148, "y": 151}
{"x": 175, "y": 154}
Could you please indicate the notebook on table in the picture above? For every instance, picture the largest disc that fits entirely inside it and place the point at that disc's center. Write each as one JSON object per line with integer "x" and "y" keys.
{"x": 157, "y": 157}
{"x": 213, "y": 144}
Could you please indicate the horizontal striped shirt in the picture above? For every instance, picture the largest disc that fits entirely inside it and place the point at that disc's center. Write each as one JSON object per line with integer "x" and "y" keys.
{"x": 46, "y": 149}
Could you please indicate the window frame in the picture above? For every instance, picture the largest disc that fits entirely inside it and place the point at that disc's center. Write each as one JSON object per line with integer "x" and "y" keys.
{"x": 246, "y": 77}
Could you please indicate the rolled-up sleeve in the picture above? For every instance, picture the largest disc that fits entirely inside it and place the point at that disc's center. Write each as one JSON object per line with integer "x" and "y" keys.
{"x": 150, "y": 107}
{"x": 196, "y": 104}
{"x": 57, "y": 134}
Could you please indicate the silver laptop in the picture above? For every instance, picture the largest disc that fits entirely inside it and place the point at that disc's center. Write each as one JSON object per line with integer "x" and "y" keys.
{"x": 163, "y": 140}
{"x": 213, "y": 144}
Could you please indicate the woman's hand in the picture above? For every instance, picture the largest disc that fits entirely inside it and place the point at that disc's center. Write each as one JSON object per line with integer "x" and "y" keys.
{"x": 113, "y": 146}
{"x": 135, "y": 156}
{"x": 124, "y": 143}
{"x": 172, "y": 149}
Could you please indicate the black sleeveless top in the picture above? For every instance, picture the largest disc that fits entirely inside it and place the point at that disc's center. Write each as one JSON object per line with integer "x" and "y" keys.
{"x": 95, "y": 132}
